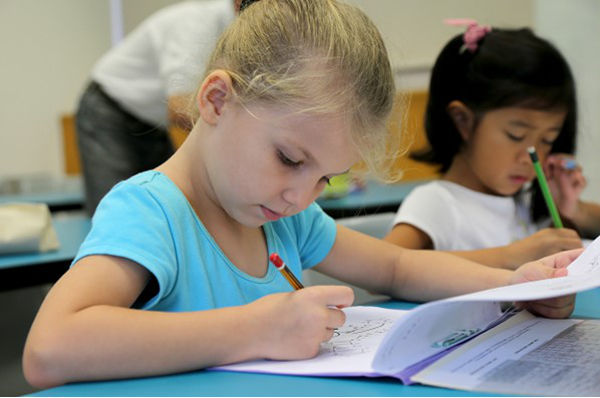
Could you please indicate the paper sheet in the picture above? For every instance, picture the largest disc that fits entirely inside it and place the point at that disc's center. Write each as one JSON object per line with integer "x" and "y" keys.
{"x": 525, "y": 355}
{"x": 349, "y": 353}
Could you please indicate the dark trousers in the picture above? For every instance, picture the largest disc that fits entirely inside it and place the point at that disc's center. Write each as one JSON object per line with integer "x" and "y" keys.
{"x": 114, "y": 144}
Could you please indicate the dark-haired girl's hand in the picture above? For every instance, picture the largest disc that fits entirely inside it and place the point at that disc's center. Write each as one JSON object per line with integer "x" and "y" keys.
{"x": 566, "y": 182}
{"x": 543, "y": 243}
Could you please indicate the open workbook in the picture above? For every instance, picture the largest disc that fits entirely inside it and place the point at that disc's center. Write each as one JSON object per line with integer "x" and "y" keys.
{"x": 471, "y": 342}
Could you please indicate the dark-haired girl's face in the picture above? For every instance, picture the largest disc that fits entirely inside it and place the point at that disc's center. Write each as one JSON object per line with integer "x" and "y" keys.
{"x": 496, "y": 151}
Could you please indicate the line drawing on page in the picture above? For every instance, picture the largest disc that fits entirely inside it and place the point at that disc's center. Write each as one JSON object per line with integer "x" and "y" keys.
{"x": 352, "y": 337}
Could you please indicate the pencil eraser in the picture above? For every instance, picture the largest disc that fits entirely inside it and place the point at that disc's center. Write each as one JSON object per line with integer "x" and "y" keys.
{"x": 532, "y": 154}
{"x": 276, "y": 260}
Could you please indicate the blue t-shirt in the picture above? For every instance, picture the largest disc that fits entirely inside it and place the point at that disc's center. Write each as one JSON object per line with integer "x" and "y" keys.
{"x": 148, "y": 220}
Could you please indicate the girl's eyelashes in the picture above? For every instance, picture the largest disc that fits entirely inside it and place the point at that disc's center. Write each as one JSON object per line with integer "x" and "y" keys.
{"x": 287, "y": 161}
{"x": 513, "y": 137}
{"x": 295, "y": 164}
{"x": 548, "y": 142}
{"x": 517, "y": 138}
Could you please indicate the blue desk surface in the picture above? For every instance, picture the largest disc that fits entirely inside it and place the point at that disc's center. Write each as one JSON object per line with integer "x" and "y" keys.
{"x": 220, "y": 383}
{"x": 374, "y": 195}
{"x": 71, "y": 231}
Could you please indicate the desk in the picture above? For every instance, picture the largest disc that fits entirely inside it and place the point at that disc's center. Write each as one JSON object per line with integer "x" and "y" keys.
{"x": 28, "y": 269}
{"x": 375, "y": 198}
{"x": 64, "y": 193}
{"x": 221, "y": 383}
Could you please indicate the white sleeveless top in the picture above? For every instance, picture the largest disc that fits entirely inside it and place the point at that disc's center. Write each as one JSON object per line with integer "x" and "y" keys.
{"x": 458, "y": 218}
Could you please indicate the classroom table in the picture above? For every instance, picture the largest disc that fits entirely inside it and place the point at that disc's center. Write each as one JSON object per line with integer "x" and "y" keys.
{"x": 29, "y": 269}
{"x": 376, "y": 197}
{"x": 21, "y": 270}
{"x": 59, "y": 193}
{"x": 222, "y": 383}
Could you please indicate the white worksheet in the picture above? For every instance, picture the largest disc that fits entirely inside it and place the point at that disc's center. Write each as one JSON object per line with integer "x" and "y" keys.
{"x": 525, "y": 355}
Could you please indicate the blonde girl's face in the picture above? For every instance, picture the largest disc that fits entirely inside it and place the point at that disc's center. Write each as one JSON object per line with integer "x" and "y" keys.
{"x": 266, "y": 162}
{"x": 496, "y": 152}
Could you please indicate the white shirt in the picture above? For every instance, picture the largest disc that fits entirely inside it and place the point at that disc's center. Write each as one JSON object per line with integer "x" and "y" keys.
{"x": 457, "y": 218}
{"x": 165, "y": 55}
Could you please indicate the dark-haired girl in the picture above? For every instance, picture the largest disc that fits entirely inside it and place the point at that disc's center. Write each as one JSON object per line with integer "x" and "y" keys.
{"x": 493, "y": 94}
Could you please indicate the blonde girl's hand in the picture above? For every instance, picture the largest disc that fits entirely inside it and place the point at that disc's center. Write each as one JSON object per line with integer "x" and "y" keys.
{"x": 566, "y": 182}
{"x": 293, "y": 325}
{"x": 553, "y": 266}
{"x": 543, "y": 243}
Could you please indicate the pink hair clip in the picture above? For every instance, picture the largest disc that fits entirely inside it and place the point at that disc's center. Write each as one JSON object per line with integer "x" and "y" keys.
{"x": 473, "y": 34}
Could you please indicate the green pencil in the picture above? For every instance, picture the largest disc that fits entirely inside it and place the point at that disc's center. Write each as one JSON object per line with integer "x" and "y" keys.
{"x": 544, "y": 186}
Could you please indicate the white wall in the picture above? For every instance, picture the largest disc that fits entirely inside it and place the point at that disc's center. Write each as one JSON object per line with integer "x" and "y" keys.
{"x": 414, "y": 30}
{"x": 574, "y": 28}
{"x": 50, "y": 46}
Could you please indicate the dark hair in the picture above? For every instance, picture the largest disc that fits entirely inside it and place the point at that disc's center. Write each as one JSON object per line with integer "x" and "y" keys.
{"x": 246, "y": 3}
{"x": 511, "y": 67}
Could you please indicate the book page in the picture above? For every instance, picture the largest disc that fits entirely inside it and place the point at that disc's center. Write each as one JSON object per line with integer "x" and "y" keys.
{"x": 588, "y": 262}
{"x": 349, "y": 353}
{"x": 431, "y": 329}
{"x": 525, "y": 355}
{"x": 413, "y": 338}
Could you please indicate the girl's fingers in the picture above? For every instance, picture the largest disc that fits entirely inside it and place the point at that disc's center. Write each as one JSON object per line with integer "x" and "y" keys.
{"x": 337, "y": 318}
{"x": 558, "y": 307}
{"x": 328, "y": 334}
{"x": 563, "y": 259}
{"x": 334, "y": 296}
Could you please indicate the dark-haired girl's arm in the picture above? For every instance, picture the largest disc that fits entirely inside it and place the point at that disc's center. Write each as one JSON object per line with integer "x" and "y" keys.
{"x": 409, "y": 236}
{"x": 542, "y": 243}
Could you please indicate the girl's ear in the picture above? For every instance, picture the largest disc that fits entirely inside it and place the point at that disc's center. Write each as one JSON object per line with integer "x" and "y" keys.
{"x": 214, "y": 93}
{"x": 463, "y": 118}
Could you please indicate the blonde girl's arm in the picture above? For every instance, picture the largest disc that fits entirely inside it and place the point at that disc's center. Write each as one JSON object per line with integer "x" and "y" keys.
{"x": 416, "y": 275}
{"x": 85, "y": 329}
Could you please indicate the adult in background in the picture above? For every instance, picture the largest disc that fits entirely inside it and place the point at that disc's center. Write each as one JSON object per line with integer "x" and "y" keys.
{"x": 140, "y": 88}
